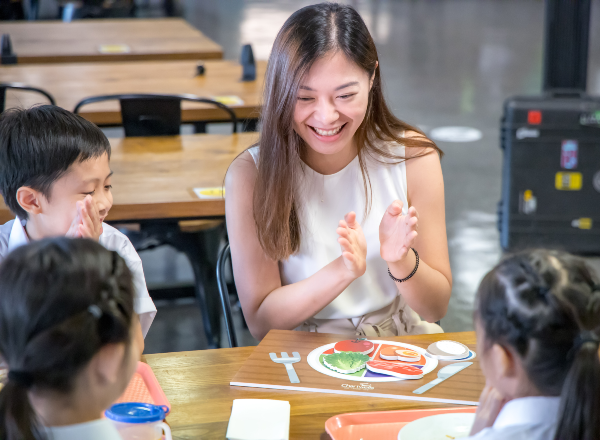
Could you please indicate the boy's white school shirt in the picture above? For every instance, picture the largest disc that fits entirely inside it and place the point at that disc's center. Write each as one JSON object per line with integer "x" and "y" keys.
{"x": 526, "y": 418}
{"x": 13, "y": 235}
{"x": 101, "y": 429}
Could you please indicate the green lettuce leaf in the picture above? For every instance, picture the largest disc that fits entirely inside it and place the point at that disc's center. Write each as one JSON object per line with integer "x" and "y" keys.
{"x": 346, "y": 360}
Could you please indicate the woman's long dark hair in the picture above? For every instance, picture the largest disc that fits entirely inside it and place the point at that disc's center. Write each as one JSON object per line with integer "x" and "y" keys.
{"x": 546, "y": 305}
{"x": 61, "y": 300}
{"x": 309, "y": 34}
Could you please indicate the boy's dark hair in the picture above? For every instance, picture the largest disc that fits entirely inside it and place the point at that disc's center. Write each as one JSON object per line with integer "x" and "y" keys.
{"x": 38, "y": 145}
{"x": 61, "y": 301}
{"x": 546, "y": 306}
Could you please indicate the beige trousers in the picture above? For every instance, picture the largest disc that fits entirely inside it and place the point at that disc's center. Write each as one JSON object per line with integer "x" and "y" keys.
{"x": 397, "y": 319}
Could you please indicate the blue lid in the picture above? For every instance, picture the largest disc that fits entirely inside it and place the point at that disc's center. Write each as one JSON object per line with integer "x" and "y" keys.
{"x": 132, "y": 412}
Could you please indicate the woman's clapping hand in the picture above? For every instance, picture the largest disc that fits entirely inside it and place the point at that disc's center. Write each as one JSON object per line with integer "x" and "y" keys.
{"x": 353, "y": 244}
{"x": 397, "y": 232}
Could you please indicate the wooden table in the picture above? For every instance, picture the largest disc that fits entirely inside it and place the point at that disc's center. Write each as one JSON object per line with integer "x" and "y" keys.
{"x": 80, "y": 41}
{"x": 154, "y": 177}
{"x": 197, "y": 386}
{"x": 70, "y": 83}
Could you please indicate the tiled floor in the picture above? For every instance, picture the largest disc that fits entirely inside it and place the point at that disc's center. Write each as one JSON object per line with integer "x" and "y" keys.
{"x": 444, "y": 62}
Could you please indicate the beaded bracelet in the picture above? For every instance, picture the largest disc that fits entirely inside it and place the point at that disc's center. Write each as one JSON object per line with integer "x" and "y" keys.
{"x": 411, "y": 274}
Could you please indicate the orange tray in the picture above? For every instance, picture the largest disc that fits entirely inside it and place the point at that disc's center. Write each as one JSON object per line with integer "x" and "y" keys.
{"x": 381, "y": 425}
{"x": 144, "y": 388}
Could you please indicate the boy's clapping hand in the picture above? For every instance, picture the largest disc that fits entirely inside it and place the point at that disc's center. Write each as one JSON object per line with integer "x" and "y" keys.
{"x": 87, "y": 223}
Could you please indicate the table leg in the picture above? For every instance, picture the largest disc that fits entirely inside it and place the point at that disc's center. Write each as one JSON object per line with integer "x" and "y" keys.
{"x": 199, "y": 127}
{"x": 34, "y": 7}
{"x": 169, "y": 6}
{"x": 194, "y": 246}
{"x": 250, "y": 125}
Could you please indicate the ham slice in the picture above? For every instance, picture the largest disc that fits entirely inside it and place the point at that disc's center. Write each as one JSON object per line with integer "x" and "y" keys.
{"x": 396, "y": 370}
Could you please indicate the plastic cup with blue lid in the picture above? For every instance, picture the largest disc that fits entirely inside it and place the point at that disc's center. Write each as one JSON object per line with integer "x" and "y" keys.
{"x": 139, "y": 421}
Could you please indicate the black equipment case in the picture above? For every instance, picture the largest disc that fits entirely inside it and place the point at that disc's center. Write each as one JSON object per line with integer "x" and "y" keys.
{"x": 551, "y": 143}
{"x": 551, "y": 174}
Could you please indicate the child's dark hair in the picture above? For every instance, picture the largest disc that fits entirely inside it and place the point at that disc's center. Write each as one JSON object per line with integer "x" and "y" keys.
{"x": 61, "y": 300}
{"x": 546, "y": 306}
{"x": 38, "y": 145}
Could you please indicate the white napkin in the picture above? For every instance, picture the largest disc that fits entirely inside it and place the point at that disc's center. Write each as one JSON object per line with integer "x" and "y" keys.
{"x": 259, "y": 419}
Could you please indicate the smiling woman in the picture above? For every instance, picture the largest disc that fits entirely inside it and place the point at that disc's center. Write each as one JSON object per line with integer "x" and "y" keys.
{"x": 332, "y": 157}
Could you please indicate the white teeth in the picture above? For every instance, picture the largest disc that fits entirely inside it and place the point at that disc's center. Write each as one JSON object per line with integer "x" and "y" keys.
{"x": 327, "y": 132}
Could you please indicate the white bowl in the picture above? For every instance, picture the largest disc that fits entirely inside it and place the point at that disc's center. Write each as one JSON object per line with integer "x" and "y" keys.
{"x": 439, "y": 427}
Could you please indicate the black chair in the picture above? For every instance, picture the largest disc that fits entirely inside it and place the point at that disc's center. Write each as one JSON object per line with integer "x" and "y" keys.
{"x": 225, "y": 255}
{"x": 154, "y": 114}
{"x": 69, "y": 10}
{"x": 19, "y": 86}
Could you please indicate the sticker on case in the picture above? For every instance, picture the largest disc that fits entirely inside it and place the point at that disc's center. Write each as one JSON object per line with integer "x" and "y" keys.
{"x": 527, "y": 202}
{"x": 582, "y": 223}
{"x": 596, "y": 181}
{"x": 525, "y": 132}
{"x": 534, "y": 117}
{"x": 590, "y": 119}
{"x": 568, "y": 154}
{"x": 568, "y": 181}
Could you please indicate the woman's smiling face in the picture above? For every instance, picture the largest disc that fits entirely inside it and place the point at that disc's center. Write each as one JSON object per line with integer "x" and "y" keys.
{"x": 331, "y": 103}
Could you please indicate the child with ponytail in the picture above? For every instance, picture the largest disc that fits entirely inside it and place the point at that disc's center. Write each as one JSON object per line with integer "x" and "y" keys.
{"x": 70, "y": 337}
{"x": 538, "y": 320}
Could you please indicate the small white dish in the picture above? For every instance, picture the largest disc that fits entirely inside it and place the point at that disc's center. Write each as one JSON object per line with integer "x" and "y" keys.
{"x": 439, "y": 427}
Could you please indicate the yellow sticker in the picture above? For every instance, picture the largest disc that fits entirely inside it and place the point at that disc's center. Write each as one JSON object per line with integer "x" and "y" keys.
{"x": 568, "y": 181}
{"x": 114, "y": 48}
{"x": 210, "y": 193}
{"x": 229, "y": 100}
{"x": 582, "y": 223}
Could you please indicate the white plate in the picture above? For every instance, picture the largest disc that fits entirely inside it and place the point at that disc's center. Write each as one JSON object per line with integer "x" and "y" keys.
{"x": 313, "y": 361}
{"x": 440, "y": 427}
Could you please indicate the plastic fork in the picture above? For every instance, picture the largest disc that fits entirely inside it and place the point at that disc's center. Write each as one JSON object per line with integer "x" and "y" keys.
{"x": 288, "y": 361}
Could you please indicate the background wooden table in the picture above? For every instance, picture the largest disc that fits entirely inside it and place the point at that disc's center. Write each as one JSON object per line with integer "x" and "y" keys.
{"x": 197, "y": 386}
{"x": 70, "y": 83}
{"x": 78, "y": 41}
{"x": 154, "y": 177}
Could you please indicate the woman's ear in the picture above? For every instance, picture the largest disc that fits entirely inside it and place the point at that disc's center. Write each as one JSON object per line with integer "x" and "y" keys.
{"x": 29, "y": 199}
{"x": 373, "y": 76}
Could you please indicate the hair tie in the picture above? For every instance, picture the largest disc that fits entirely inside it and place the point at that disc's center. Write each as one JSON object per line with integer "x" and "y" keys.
{"x": 543, "y": 291}
{"x": 95, "y": 311}
{"x": 583, "y": 338}
{"x": 21, "y": 378}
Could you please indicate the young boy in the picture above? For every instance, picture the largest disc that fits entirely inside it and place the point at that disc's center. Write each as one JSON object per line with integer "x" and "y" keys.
{"x": 55, "y": 177}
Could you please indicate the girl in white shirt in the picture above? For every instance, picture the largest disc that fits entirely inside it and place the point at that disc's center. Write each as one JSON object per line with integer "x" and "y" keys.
{"x": 538, "y": 321}
{"x": 70, "y": 337}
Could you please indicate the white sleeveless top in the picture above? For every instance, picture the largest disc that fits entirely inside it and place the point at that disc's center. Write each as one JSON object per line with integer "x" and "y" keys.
{"x": 322, "y": 201}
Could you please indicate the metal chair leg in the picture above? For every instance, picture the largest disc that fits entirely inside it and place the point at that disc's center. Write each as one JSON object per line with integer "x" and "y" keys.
{"x": 197, "y": 247}
{"x": 224, "y": 294}
{"x": 194, "y": 247}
